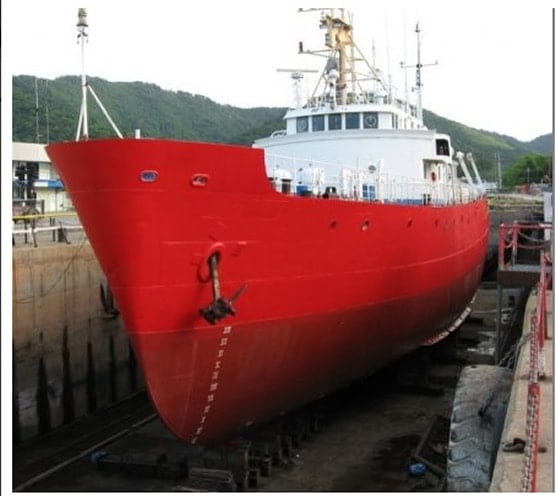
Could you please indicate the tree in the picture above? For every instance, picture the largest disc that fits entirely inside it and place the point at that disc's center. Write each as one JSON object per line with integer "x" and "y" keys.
{"x": 531, "y": 168}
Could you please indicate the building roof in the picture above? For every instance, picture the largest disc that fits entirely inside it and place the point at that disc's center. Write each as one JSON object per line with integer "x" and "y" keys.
{"x": 29, "y": 152}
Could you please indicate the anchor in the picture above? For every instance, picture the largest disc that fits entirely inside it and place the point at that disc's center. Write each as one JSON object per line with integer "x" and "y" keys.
{"x": 220, "y": 306}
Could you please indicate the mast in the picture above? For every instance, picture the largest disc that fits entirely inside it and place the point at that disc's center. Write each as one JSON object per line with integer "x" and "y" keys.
{"x": 83, "y": 126}
{"x": 404, "y": 66}
{"x": 418, "y": 67}
{"x": 82, "y": 27}
{"x": 341, "y": 53}
{"x": 338, "y": 39}
{"x": 418, "y": 83}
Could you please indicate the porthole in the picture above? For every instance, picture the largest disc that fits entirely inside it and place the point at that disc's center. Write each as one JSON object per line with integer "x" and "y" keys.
{"x": 199, "y": 180}
{"x": 148, "y": 176}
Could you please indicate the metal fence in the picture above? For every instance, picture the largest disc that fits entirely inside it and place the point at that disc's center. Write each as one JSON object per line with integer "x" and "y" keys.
{"x": 41, "y": 228}
{"x": 305, "y": 177}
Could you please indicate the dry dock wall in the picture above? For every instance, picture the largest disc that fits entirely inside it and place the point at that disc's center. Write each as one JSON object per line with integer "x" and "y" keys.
{"x": 69, "y": 356}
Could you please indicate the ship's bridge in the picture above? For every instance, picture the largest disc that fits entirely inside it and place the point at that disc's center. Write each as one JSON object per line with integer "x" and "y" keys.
{"x": 383, "y": 115}
{"x": 356, "y": 136}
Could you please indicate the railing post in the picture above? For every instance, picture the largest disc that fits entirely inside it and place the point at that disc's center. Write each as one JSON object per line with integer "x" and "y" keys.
{"x": 501, "y": 238}
{"x": 515, "y": 230}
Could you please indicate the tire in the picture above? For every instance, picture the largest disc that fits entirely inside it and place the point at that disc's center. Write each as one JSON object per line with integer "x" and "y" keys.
{"x": 474, "y": 438}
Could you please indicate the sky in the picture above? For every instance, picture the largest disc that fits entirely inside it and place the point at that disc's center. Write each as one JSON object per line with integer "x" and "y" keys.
{"x": 494, "y": 71}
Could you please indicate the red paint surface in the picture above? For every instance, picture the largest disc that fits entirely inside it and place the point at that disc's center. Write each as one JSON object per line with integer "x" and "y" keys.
{"x": 326, "y": 300}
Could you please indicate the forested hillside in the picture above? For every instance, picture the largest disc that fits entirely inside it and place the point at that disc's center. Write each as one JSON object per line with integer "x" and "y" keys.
{"x": 181, "y": 115}
{"x": 485, "y": 144}
{"x": 157, "y": 112}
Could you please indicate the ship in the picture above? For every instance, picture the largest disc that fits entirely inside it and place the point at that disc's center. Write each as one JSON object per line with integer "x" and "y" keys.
{"x": 254, "y": 280}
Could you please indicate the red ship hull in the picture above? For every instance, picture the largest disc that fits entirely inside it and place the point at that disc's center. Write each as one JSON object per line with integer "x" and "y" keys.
{"x": 334, "y": 289}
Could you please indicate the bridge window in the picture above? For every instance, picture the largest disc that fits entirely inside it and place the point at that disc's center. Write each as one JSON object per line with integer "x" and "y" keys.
{"x": 334, "y": 121}
{"x": 370, "y": 120}
{"x": 352, "y": 120}
{"x": 302, "y": 124}
{"x": 442, "y": 147}
{"x": 318, "y": 122}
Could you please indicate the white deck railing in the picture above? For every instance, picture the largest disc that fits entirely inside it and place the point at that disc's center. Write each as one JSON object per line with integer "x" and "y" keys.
{"x": 304, "y": 177}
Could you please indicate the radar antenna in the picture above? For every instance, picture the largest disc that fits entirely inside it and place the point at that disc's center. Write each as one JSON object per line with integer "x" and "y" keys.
{"x": 83, "y": 125}
{"x": 297, "y": 76}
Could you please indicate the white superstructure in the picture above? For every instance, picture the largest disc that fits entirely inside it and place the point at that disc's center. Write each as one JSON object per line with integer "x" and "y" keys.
{"x": 354, "y": 137}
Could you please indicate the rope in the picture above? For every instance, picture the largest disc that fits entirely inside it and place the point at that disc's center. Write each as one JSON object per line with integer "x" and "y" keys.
{"x": 530, "y": 238}
{"x": 529, "y": 247}
{"x": 509, "y": 245}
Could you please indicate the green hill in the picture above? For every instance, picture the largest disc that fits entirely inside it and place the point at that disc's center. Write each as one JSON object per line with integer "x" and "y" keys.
{"x": 484, "y": 144}
{"x": 544, "y": 145}
{"x": 181, "y": 115}
{"x": 157, "y": 112}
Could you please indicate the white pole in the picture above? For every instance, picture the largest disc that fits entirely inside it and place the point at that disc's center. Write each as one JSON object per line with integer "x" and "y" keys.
{"x": 37, "y": 110}
{"x": 84, "y": 90}
{"x": 406, "y": 87}
{"x": 46, "y": 115}
{"x": 418, "y": 82}
{"x": 79, "y": 122}
{"x": 105, "y": 112}
{"x": 83, "y": 127}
